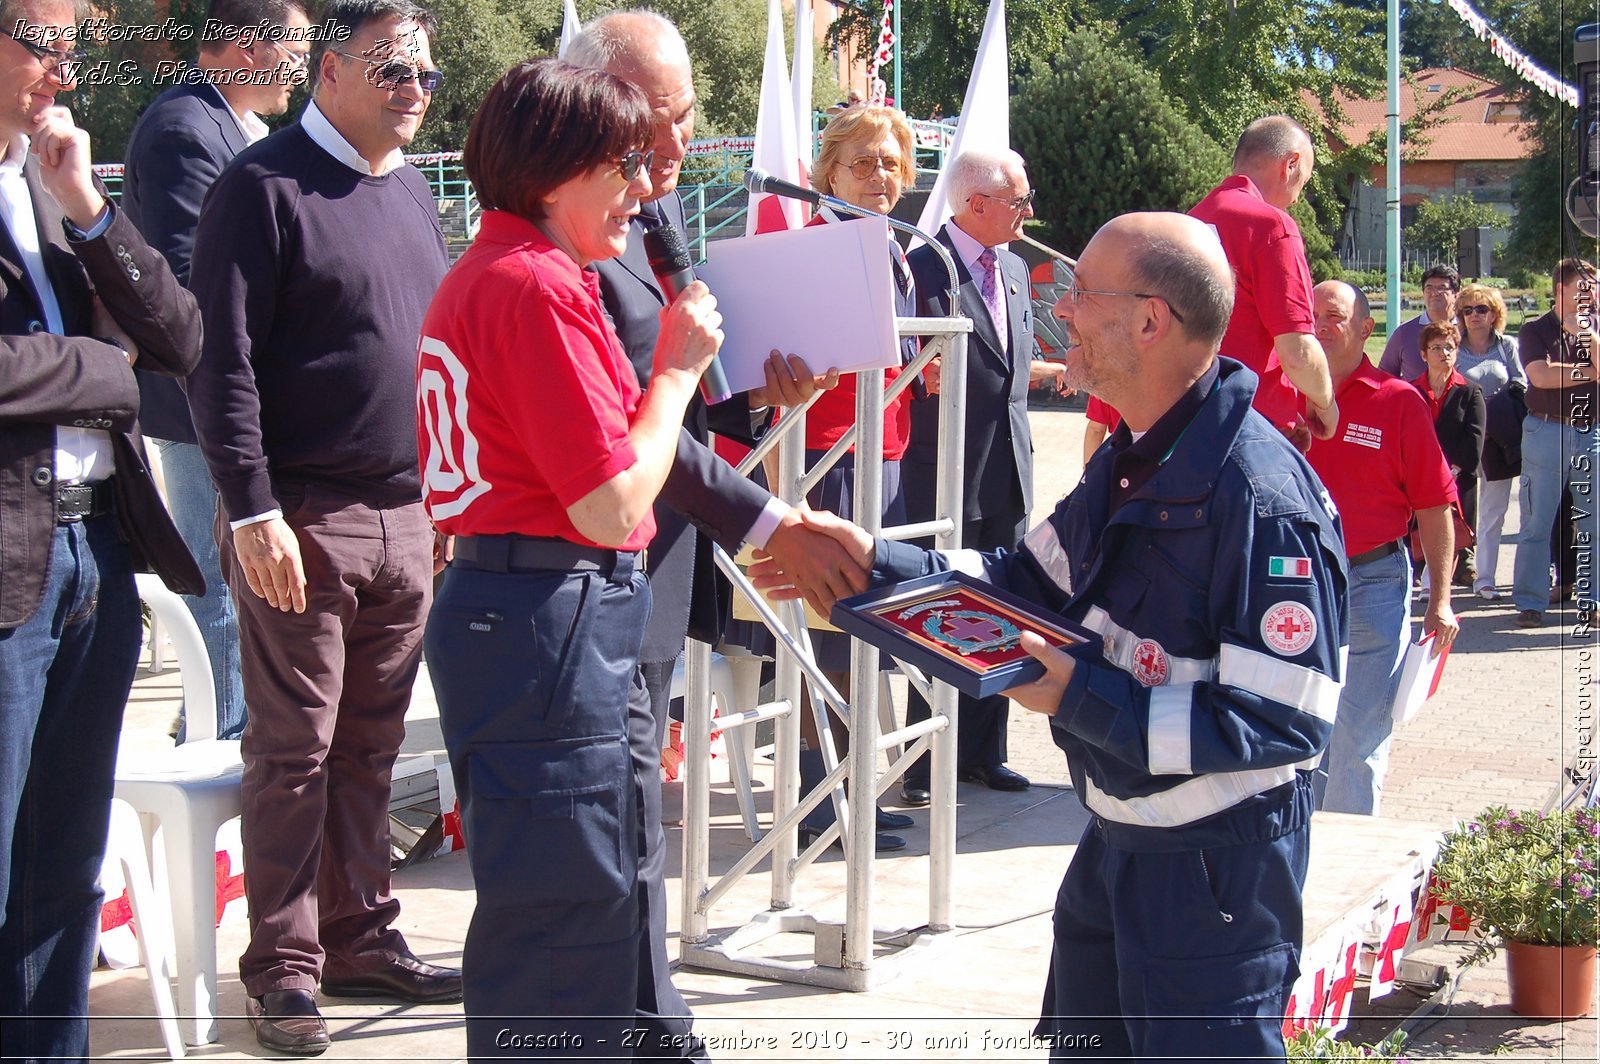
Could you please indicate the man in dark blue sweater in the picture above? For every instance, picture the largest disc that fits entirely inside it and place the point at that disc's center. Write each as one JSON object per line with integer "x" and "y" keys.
{"x": 317, "y": 253}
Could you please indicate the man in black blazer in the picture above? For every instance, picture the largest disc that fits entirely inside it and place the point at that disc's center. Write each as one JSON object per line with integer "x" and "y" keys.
{"x": 82, "y": 298}
{"x": 182, "y": 142}
{"x": 688, "y": 595}
{"x": 989, "y": 199}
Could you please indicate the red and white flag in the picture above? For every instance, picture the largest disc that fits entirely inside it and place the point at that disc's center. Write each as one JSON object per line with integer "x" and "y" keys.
{"x": 985, "y": 122}
{"x": 777, "y": 150}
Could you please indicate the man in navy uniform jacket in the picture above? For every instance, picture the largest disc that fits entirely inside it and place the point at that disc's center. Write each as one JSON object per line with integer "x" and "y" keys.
{"x": 1203, "y": 550}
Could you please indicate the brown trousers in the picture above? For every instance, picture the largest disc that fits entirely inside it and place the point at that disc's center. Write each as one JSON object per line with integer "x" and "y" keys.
{"x": 328, "y": 691}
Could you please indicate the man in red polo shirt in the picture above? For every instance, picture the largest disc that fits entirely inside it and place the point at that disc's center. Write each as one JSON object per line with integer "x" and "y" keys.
{"x": 1271, "y": 327}
{"x": 1382, "y": 466}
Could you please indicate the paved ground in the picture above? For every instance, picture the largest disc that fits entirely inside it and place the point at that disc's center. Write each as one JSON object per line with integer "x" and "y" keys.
{"x": 1499, "y": 730}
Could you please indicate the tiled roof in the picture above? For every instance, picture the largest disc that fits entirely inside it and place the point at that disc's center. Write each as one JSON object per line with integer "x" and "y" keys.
{"x": 1481, "y": 126}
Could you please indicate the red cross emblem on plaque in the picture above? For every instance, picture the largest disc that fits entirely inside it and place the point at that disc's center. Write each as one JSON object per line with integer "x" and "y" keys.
{"x": 1150, "y": 665}
{"x": 1288, "y": 628}
{"x": 971, "y": 630}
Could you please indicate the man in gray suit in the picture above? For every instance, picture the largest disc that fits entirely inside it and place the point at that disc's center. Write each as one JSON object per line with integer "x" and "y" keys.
{"x": 182, "y": 142}
{"x": 989, "y": 200}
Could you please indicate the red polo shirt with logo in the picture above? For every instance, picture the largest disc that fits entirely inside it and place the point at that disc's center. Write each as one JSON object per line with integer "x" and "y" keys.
{"x": 524, "y": 394}
{"x": 1272, "y": 287}
{"x": 1384, "y": 464}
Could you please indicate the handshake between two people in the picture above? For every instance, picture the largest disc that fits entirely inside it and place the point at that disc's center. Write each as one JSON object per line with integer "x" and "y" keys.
{"x": 821, "y": 558}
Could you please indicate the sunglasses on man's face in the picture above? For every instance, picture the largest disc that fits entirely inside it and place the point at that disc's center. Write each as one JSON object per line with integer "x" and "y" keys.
{"x": 392, "y": 73}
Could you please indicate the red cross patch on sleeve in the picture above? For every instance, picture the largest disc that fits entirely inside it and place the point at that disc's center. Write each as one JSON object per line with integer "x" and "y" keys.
{"x": 1288, "y": 628}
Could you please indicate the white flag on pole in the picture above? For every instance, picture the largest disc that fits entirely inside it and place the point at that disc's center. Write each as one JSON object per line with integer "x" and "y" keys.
{"x": 569, "y": 28}
{"x": 776, "y": 151}
{"x": 985, "y": 122}
{"x": 800, "y": 82}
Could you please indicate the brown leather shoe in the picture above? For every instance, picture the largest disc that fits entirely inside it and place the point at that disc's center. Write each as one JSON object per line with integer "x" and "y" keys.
{"x": 404, "y": 978}
{"x": 1530, "y": 619}
{"x": 287, "y": 1021}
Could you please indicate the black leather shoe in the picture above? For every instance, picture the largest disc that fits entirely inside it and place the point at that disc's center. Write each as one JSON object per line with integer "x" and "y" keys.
{"x": 886, "y": 843}
{"x": 888, "y": 821}
{"x": 405, "y": 978}
{"x": 994, "y": 777}
{"x": 287, "y": 1021}
{"x": 915, "y": 794}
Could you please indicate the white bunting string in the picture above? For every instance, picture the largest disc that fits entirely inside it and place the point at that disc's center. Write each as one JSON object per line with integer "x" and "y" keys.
{"x": 1507, "y": 53}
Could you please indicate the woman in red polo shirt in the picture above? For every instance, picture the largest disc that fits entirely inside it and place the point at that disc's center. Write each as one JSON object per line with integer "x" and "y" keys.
{"x": 541, "y": 457}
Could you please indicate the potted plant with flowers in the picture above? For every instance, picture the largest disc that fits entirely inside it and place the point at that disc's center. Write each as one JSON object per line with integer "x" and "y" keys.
{"x": 1529, "y": 881}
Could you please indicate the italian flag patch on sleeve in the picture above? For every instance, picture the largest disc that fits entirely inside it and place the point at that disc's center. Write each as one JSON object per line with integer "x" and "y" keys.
{"x": 1296, "y": 568}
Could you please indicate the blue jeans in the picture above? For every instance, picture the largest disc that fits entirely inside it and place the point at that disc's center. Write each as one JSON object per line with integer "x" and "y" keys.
{"x": 193, "y": 502}
{"x": 1380, "y": 625}
{"x": 1554, "y": 455}
{"x": 64, "y": 680}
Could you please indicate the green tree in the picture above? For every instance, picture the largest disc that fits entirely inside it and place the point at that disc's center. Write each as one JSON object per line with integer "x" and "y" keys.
{"x": 477, "y": 42}
{"x": 1439, "y": 223}
{"x": 1101, "y": 138}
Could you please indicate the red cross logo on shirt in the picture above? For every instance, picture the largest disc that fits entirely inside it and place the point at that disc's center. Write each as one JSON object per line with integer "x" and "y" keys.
{"x": 1288, "y": 628}
{"x": 1150, "y": 665}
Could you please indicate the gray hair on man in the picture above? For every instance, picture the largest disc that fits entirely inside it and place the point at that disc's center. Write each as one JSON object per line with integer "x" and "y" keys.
{"x": 1191, "y": 280}
{"x": 620, "y": 36}
{"x": 976, "y": 170}
{"x": 1268, "y": 139}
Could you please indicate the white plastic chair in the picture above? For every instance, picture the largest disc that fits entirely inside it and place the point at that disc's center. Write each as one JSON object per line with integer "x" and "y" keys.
{"x": 187, "y": 792}
{"x": 740, "y": 742}
{"x": 125, "y": 847}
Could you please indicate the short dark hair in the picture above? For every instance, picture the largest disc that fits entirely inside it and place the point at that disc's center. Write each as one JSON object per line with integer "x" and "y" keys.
{"x": 545, "y": 122}
{"x": 1180, "y": 274}
{"x": 343, "y": 19}
{"x": 1268, "y": 139}
{"x": 1439, "y": 330}
{"x": 1568, "y": 271}
{"x": 1441, "y": 271}
{"x": 241, "y": 13}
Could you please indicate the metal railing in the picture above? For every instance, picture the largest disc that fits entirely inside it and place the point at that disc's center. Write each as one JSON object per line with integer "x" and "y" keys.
{"x": 712, "y": 181}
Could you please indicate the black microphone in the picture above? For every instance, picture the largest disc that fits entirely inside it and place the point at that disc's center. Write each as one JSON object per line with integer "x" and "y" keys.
{"x": 758, "y": 180}
{"x": 674, "y": 270}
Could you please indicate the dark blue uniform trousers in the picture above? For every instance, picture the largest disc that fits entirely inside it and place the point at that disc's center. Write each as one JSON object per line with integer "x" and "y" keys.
{"x": 1181, "y": 944}
{"x": 535, "y": 672}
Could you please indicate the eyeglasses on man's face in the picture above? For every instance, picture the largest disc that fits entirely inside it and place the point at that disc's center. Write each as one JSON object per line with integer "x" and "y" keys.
{"x": 1020, "y": 204}
{"x": 292, "y": 59}
{"x": 631, "y": 164}
{"x": 863, "y": 167}
{"x": 1442, "y": 288}
{"x": 390, "y": 74}
{"x": 49, "y": 58}
{"x": 1075, "y": 294}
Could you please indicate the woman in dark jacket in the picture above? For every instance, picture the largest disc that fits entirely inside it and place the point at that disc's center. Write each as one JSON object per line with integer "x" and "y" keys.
{"x": 1458, "y": 418}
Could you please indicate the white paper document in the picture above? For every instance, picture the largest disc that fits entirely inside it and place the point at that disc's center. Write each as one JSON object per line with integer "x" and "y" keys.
{"x": 1419, "y": 678}
{"x": 825, "y": 293}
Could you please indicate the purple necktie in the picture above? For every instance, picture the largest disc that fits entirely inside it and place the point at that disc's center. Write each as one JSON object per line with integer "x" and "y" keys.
{"x": 989, "y": 286}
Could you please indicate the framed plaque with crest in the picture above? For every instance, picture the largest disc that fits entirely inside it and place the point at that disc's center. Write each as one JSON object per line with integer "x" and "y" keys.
{"x": 959, "y": 630}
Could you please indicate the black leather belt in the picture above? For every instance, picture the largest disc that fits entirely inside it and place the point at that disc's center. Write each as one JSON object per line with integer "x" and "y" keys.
{"x": 75, "y": 502}
{"x": 1383, "y": 550}
{"x": 514, "y": 553}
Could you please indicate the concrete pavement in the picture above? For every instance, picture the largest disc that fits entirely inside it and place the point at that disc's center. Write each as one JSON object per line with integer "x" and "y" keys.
{"x": 1498, "y": 731}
